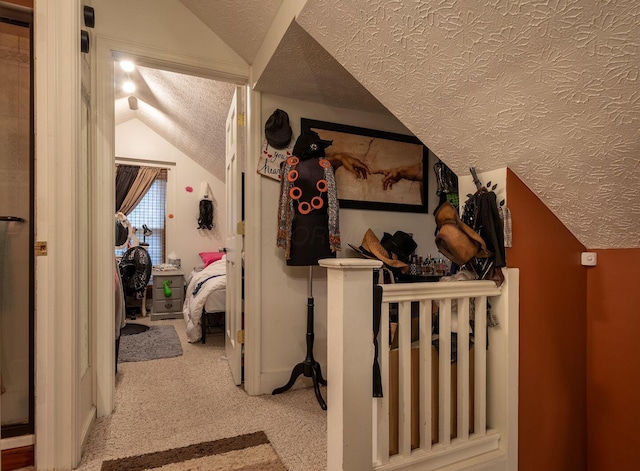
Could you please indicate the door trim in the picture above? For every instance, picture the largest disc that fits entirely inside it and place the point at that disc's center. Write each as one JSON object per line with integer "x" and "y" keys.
{"x": 57, "y": 88}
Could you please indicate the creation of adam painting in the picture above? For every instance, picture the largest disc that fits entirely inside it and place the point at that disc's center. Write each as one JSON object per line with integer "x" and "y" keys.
{"x": 375, "y": 169}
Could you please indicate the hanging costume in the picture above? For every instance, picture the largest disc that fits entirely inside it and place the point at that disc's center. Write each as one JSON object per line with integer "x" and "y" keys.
{"x": 308, "y": 226}
{"x": 205, "y": 218}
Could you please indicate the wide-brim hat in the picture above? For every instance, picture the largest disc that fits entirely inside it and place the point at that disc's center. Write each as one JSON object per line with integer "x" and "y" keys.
{"x": 277, "y": 129}
{"x": 372, "y": 245}
{"x": 364, "y": 252}
{"x": 400, "y": 243}
{"x": 456, "y": 240}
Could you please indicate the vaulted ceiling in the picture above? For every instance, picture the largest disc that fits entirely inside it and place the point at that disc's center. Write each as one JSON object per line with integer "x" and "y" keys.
{"x": 189, "y": 112}
{"x": 549, "y": 89}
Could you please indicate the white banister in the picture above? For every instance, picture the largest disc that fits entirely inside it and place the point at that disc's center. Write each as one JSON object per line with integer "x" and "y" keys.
{"x": 485, "y": 405}
{"x": 349, "y": 362}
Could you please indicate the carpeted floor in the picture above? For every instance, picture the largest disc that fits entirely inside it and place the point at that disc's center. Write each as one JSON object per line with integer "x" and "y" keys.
{"x": 176, "y": 402}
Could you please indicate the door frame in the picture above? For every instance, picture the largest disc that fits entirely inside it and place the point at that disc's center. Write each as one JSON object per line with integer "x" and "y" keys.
{"x": 57, "y": 87}
{"x": 57, "y": 146}
{"x": 103, "y": 237}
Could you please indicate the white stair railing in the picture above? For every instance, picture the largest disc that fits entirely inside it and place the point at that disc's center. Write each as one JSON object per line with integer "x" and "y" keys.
{"x": 492, "y": 444}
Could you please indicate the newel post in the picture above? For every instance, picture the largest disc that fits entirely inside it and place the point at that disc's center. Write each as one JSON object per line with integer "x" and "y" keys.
{"x": 349, "y": 362}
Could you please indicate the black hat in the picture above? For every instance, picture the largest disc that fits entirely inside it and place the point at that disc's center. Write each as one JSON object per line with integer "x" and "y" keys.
{"x": 310, "y": 145}
{"x": 277, "y": 129}
{"x": 400, "y": 243}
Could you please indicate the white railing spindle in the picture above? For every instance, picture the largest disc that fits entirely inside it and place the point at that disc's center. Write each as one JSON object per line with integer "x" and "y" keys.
{"x": 444, "y": 364}
{"x": 382, "y": 451}
{"x": 404, "y": 378}
{"x": 480, "y": 380}
{"x": 425, "y": 375}
{"x": 463, "y": 369}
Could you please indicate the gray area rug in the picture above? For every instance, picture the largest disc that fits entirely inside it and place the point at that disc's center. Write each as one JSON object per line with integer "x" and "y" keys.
{"x": 160, "y": 341}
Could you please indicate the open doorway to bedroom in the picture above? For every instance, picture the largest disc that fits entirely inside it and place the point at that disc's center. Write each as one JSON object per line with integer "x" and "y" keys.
{"x": 172, "y": 210}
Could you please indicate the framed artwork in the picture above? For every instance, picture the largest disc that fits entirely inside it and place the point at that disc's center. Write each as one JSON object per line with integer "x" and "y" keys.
{"x": 375, "y": 169}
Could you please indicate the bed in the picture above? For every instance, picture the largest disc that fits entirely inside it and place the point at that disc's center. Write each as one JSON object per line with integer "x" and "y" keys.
{"x": 206, "y": 294}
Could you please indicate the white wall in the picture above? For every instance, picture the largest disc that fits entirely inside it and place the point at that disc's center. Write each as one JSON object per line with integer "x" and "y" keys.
{"x": 165, "y": 25}
{"x": 134, "y": 140}
{"x": 284, "y": 297}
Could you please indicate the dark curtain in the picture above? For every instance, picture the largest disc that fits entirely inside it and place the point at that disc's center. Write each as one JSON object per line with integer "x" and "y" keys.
{"x": 140, "y": 186}
{"x": 125, "y": 176}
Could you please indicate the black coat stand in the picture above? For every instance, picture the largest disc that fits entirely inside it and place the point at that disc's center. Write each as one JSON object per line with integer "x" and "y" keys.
{"x": 309, "y": 367}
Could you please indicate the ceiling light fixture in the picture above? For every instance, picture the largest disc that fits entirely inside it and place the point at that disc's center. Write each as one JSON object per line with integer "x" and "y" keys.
{"x": 128, "y": 86}
{"x": 127, "y": 66}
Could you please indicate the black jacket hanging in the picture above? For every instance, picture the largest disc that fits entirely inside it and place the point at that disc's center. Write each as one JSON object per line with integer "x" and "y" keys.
{"x": 205, "y": 217}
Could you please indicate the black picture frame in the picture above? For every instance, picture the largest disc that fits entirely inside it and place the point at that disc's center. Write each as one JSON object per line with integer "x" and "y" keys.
{"x": 380, "y": 151}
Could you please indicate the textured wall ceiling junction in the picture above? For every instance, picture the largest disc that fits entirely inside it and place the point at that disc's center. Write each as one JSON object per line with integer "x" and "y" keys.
{"x": 300, "y": 68}
{"x": 242, "y": 25}
{"x": 549, "y": 89}
{"x": 189, "y": 112}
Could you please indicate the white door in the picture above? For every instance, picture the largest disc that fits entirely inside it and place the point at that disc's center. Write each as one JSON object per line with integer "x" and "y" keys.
{"x": 234, "y": 244}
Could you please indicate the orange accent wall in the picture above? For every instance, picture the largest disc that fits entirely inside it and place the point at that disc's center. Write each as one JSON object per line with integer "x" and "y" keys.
{"x": 613, "y": 361}
{"x": 552, "y": 430}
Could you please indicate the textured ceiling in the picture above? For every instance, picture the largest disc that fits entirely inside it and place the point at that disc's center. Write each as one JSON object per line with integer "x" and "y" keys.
{"x": 241, "y": 25}
{"x": 300, "y": 68}
{"x": 189, "y": 112}
{"x": 547, "y": 88}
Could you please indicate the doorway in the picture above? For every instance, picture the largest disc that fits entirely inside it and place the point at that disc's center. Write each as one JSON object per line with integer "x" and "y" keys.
{"x": 16, "y": 221}
{"x": 179, "y": 225}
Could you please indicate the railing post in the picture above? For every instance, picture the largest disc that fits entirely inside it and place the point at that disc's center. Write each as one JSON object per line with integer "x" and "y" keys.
{"x": 349, "y": 362}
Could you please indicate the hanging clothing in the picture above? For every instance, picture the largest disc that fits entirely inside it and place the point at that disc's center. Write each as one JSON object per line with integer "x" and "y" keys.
{"x": 490, "y": 226}
{"x": 205, "y": 215}
{"x": 308, "y": 227}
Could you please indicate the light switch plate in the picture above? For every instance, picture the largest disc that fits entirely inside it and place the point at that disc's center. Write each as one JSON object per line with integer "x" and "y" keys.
{"x": 589, "y": 259}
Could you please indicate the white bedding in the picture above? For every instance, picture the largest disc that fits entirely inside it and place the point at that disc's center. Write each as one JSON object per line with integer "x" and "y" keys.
{"x": 211, "y": 279}
{"x": 216, "y": 301}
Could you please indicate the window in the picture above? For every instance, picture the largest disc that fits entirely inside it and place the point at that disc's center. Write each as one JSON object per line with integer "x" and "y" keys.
{"x": 151, "y": 212}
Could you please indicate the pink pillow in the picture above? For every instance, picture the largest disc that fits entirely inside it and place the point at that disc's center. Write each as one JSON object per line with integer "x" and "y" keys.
{"x": 209, "y": 257}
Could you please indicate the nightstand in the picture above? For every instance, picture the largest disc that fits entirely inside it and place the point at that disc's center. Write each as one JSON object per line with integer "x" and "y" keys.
{"x": 167, "y": 307}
